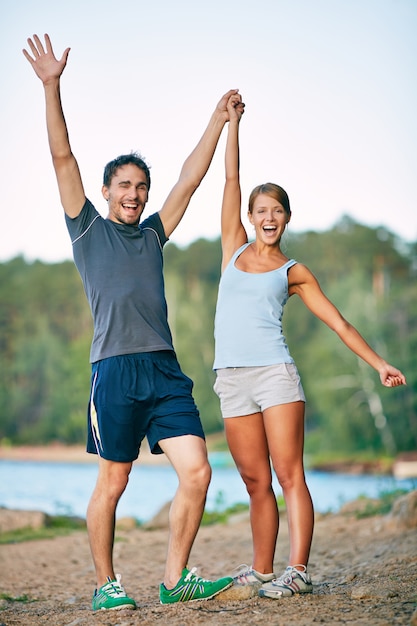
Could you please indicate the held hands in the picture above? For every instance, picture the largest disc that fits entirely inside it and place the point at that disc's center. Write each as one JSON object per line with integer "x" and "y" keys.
{"x": 231, "y": 105}
{"x": 45, "y": 64}
{"x": 390, "y": 376}
{"x": 235, "y": 107}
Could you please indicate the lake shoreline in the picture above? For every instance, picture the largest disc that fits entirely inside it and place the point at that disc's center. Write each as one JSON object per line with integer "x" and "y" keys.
{"x": 62, "y": 453}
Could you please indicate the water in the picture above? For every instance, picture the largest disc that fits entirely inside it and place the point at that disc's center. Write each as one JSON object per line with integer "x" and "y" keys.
{"x": 65, "y": 488}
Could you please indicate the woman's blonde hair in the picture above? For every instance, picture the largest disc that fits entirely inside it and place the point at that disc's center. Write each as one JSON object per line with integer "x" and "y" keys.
{"x": 273, "y": 190}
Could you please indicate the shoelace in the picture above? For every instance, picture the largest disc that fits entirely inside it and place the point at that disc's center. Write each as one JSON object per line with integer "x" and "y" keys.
{"x": 242, "y": 572}
{"x": 192, "y": 577}
{"x": 114, "y": 588}
{"x": 242, "y": 569}
{"x": 287, "y": 577}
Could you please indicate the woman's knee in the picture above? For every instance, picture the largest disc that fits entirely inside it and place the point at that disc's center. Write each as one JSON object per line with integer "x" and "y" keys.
{"x": 290, "y": 478}
{"x": 257, "y": 484}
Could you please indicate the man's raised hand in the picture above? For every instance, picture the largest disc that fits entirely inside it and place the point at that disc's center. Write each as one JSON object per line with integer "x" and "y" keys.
{"x": 46, "y": 66}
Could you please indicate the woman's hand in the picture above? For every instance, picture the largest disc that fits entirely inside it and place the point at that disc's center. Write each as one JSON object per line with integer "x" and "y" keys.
{"x": 235, "y": 107}
{"x": 390, "y": 376}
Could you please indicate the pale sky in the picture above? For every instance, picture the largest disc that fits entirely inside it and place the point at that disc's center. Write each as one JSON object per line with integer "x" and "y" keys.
{"x": 330, "y": 88}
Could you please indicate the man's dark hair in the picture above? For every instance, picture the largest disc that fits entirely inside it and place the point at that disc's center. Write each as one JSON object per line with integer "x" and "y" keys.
{"x": 133, "y": 158}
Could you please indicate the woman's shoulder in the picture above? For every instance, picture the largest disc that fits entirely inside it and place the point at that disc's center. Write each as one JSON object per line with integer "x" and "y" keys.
{"x": 298, "y": 271}
{"x": 241, "y": 248}
{"x": 233, "y": 254}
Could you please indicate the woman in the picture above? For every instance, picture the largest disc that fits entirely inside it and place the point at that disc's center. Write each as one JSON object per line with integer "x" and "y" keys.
{"x": 261, "y": 395}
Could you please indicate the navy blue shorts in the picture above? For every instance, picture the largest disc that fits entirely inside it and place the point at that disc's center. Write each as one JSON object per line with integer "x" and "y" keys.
{"x": 138, "y": 395}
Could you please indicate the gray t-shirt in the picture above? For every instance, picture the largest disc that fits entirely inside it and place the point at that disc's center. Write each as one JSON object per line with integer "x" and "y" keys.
{"x": 122, "y": 272}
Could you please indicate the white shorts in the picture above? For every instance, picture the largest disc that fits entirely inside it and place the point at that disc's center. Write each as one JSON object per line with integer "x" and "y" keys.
{"x": 247, "y": 390}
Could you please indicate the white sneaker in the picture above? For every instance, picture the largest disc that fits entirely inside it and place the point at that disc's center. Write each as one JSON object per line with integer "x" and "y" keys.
{"x": 245, "y": 575}
{"x": 292, "y": 581}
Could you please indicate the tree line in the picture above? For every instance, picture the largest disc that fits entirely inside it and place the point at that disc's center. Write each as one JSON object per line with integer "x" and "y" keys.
{"x": 46, "y": 330}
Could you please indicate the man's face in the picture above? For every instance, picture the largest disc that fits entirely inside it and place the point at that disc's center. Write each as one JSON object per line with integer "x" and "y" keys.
{"x": 126, "y": 195}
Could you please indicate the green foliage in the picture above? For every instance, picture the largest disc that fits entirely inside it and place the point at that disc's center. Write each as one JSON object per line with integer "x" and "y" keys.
{"x": 46, "y": 330}
{"x": 191, "y": 279}
{"x": 25, "y": 599}
{"x": 55, "y": 526}
{"x": 373, "y": 284}
{"x": 383, "y": 505}
{"x": 221, "y": 514}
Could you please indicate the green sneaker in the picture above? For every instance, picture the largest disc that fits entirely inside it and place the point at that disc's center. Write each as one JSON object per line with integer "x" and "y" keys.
{"x": 190, "y": 588}
{"x": 112, "y": 597}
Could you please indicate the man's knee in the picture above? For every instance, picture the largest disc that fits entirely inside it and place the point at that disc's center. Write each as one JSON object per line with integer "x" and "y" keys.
{"x": 196, "y": 477}
{"x": 113, "y": 478}
{"x": 204, "y": 474}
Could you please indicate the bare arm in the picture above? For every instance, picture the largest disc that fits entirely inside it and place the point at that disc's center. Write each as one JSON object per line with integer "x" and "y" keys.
{"x": 195, "y": 168}
{"x": 303, "y": 283}
{"x": 233, "y": 233}
{"x": 49, "y": 71}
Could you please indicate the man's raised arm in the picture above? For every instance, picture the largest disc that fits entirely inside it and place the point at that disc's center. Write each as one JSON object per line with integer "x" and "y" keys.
{"x": 195, "y": 167}
{"x": 49, "y": 70}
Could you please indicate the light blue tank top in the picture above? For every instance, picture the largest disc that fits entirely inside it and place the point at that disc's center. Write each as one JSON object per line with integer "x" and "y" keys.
{"x": 248, "y": 321}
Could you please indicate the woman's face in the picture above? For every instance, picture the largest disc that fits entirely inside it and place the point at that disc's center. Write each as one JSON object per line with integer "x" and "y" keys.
{"x": 269, "y": 219}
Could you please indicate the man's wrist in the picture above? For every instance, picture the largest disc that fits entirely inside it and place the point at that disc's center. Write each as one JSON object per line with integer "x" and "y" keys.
{"x": 51, "y": 83}
{"x": 220, "y": 117}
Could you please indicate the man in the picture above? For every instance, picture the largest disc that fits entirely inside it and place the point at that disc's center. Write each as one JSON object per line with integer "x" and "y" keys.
{"x": 137, "y": 386}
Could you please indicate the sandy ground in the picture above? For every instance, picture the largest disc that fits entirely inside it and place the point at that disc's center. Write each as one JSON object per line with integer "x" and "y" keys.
{"x": 364, "y": 573}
